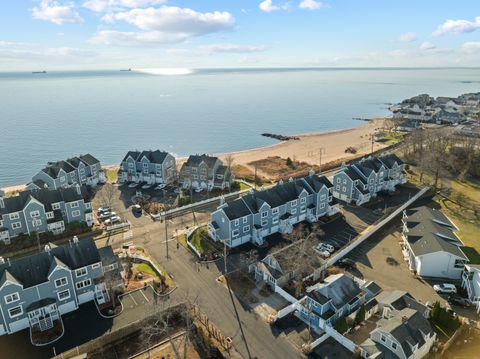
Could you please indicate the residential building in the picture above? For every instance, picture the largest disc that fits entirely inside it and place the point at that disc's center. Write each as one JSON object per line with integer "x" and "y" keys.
{"x": 152, "y": 167}
{"x": 430, "y": 245}
{"x": 44, "y": 210}
{"x": 471, "y": 283}
{"x": 403, "y": 331}
{"x": 81, "y": 170}
{"x": 36, "y": 290}
{"x": 295, "y": 261}
{"x": 205, "y": 172}
{"x": 339, "y": 295}
{"x": 362, "y": 180}
{"x": 277, "y": 209}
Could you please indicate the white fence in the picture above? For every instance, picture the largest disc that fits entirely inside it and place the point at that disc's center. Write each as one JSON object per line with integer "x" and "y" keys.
{"x": 115, "y": 227}
{"x": 285, "y": 295}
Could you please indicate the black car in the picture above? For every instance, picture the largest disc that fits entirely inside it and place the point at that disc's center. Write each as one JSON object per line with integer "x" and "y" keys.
{"x": 347, "y": 263}
{"x": 457, "y": 300}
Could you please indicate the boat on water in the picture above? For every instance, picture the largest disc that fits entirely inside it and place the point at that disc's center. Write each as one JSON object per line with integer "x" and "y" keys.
{"x": 39, "y": 72}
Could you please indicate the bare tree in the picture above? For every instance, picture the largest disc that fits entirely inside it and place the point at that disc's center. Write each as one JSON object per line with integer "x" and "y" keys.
{"x": 229, "y": 159}
{"x": 107, "y": 195}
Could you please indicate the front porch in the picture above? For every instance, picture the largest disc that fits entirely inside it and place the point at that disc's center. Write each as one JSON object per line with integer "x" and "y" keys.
{"x": 45, "y": 321}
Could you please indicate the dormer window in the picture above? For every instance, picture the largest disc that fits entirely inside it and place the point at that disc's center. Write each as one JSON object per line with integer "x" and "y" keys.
{"x": 293, "y": 203}
{"x": 303, "y": 200}
{"x": 394, "y": 345}
{"x": 265, "y": 214}
{"x": 236, "y": 222}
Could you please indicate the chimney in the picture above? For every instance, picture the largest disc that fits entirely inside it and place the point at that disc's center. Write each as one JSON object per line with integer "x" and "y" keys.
{"x": 8, "y": 261}
{"x": 47, "y": 248}
{"x": 75, "y": 240}
{"x": 311, "y": 173}
{"x": 2, "y": 260}
{"x": 290, "y": 179}
{"x": 77, "y": 186}
{"x": 404, "y": 319}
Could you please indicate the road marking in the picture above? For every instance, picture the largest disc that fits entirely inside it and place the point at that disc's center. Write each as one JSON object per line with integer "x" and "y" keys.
{"x": 131, "y": 296}
{"x": 144, "y": 296}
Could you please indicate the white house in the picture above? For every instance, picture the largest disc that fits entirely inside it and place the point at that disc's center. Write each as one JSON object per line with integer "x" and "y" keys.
{"x": 471, "y": 282}
{"x": 430, "y": 245}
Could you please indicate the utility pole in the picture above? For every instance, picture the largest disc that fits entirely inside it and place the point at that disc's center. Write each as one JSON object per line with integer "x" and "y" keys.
{"x": 255, "y": 179}
{"x": 372, "y": 143}
{"x": 166, "y": 230}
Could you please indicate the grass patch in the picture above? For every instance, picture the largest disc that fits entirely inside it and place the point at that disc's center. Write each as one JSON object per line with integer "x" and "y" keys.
{"x": 391, "y": 138}
{"x": 146, "y": 268}
{"x": 112, "y": 175}
{"x": 201, "y": 240}
{"x": 472, "y": 255}
{"x": 182, "y": 239}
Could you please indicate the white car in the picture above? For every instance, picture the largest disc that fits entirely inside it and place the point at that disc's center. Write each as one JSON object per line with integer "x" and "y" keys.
{"x": 146, "y": 186}
{"x": 161, "y": 186}
{"x": 324, "y": 254}
{"x": 326, "y": 247}
{"x": 132, "y": 185}
{"x": 106, "y": 215}
{"x": 112, "y": 220}
{"x": 445, "y": 288}
{"x": 104, "y": 209}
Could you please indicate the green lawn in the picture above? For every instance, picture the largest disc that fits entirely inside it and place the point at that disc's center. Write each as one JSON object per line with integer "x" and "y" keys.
{"x": 146, "y": 268}
{"x": 391, "y": 138}
{"x": 472, "y": 255}
{"x": 201, "y": 240}
{"x": 243, "y": 186}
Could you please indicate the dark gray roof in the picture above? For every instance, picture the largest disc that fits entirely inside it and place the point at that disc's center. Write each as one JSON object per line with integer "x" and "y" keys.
{"x": 364, "y": 170}
{"x": 399, "y": 299}
{"x": 40, "y": 304}
{"x": 407, "y": 327}
{"x": 372, "y": 162}
{"x": 89, "y": 159}
{"x": 53, "y": 168}
{"x": 373, "y": 288}
{"x": 339, "y": 288}
{"x": 195, "y": 160}
{"x": 46, "y": 197}
{"x": 133, "y": 154}
{"x": 107, "y": 256}
{"x": 236, "y": 209}
{"x": 390, "y": 159}
{"x": 429, "y": 231}
{"x": 154, "y": 156}
{"x": 317, "y": 182}
{"x": 34, "y": 269}
{"x": 352, "y": 174}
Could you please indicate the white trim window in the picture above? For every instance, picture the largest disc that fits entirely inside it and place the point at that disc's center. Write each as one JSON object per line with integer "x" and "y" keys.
{"x": 95, "y": 265}
{"x": 275, "y": 211}
{"x": 322, "y": 205}
{"x": 275, "y": 220}
{"x": 37, "y": 222}
{"x": 61, "y": 282}
{"x": 34, "y": 214}
{"x": 84, "y": 283}
{"x": 303, "y": 209}
{"x": 245, "y": 220}
{"x": 64, "y": 294}
{"x": 88, "y": 205}
{"x": 265, "y": 214}
{"x": 49, "y": 215}
{"x": 294, "y": 202}
{"x": 323, "y": 197}
{"x": 15, "y": 311}
{"x": 80, "y": 272}
{"x": 236, "y": 222}
{"x": 303, "y": 200}
{"x": 76, "y": 213}
{"x": 16, "y": 225}
{"x": 246, "y": 229}
{"x": 14, "y": 216}
{"x": 235, "y": 233}
{"x": 55, "y": 206}
{"x": 74, "y": 204}
{"x": 11, "y": 298}
{"x": 294, "y": 211}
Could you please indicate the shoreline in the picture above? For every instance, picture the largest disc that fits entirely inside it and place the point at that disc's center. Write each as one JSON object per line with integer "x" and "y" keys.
{"x": 307, "y": 148}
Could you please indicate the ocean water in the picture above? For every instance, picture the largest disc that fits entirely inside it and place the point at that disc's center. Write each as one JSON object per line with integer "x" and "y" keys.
{"x": 45, "y": 117}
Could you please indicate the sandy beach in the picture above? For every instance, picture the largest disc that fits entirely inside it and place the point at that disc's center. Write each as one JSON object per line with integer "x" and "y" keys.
{"x": 306, "y": 149}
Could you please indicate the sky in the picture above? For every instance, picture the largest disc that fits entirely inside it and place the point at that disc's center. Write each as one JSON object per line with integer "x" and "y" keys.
{"x": 110, "y": 34}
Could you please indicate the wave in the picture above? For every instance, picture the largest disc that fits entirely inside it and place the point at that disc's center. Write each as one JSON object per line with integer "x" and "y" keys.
{"x": 167, "y": 71}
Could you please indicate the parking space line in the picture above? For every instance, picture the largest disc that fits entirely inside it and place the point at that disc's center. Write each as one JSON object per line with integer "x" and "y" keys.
{"x": 144, "y": 296}
{"x": 131, "y": 296}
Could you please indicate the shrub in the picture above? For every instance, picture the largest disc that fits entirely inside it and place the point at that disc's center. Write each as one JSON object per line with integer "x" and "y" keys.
{"x": 360, "y": 316}
{"x": 341, "y": 325}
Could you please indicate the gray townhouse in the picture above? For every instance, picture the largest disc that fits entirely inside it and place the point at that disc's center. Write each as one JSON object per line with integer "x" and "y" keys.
{"x": 44, "y": 210}
{"x": 82, "y": 170}
{"x": 201, "y": 172}
{"x": 36, "y": 290}
{"x": 261, "y": 213}
{"x": 152, "y": 167}
{"x": 359, "y": 181}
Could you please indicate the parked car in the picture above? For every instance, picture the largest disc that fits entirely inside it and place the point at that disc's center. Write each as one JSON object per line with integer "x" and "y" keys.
{"x": 324, "y": 254}
{"x": 136, "y": 208}
{"x": 458, "y": 300}
{"x": 104, "y": 209}
{"x": 106, "y": 215}
{"x": 347, "y": 263}
{"x": 146, "y": 186}
{"x": 161, "y": 186}
{"x": 132, "y": 185}
{"x": 326, "y": 247}
{"x": 445, "y": 288}
{"x": 112, "y": 220}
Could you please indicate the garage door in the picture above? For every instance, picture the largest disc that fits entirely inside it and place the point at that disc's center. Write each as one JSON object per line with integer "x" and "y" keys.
{"x": 236, "y": 242}
{"x": 302, "y": 217}
{"x": 246, "y": 239}
{"x": 343, "y": 197}
{"x": 19, "y": 325}
{"x": 275, "y": 229}
{"x": 85, "y": 297}
{"x": 67, "y": 307}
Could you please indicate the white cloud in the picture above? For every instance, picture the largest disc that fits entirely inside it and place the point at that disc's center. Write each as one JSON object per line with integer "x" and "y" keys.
{"x": 408, "y": 37}
{"x": 118, "y": 5}
{"x": 233, "y": 48}
{"x": 57, "y": 13}
{"x": 172, "y": 19}
{"x": 471, "y": 47}
{"x": 427, "y": 46}
{"x": 136, "y": 39}
{"x": 457, "y": 27}
{"x": 268, "y": 6}
{"x": 311, "y": 5}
